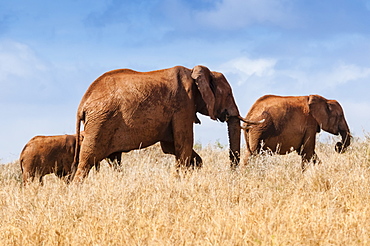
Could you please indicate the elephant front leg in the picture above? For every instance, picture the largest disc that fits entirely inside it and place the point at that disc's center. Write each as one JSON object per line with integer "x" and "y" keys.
{"x": 169, "y": 148}
{"x": 183, "y": 136}
{"x": 183, "y": 159}
{"x": 308, "y": 153}
{"x": 114, "y": 160}
{"x": 198, "y": 160}
{"x": 305, "y": 161}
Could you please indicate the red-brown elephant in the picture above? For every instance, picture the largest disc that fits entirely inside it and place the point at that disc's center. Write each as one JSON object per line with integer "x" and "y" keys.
{"x": 291, "y": 123}
{"x": 124, "y": 110}
{"x": 52, "y": 154}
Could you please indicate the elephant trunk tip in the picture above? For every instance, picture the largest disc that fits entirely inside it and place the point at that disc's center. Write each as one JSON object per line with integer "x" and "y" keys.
{"x": 340, "y": 147}
{"x": 234, "y": 159}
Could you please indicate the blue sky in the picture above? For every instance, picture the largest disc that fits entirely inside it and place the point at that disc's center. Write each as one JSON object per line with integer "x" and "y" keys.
{"x": 51, "y": 51}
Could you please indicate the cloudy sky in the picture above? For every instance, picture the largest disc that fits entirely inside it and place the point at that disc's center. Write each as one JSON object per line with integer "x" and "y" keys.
{"x": 51, "y": 51}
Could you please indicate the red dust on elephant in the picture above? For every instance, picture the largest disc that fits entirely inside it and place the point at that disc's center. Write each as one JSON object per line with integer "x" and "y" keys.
{"x": 291, "y": 123}
{"x": 124, "y": 110}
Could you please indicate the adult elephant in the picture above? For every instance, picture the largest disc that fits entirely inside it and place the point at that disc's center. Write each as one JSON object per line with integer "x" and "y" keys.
{"x": 52, "y": 154}
{"x": 124, "y": 110}
{"x": 291, "y": 123}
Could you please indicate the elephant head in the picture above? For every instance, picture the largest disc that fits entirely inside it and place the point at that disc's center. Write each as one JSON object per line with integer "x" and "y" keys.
{"x": 330, "y": 117}
{"x": 215, "y": 99}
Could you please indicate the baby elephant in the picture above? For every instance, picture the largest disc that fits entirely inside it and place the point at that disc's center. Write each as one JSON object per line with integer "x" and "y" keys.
{"x": 51, "y": 154}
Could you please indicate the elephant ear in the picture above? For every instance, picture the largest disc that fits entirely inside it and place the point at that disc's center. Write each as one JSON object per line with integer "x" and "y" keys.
{"x": 319, "y": 109}
{"x": 202, "y": 78}
{"x": 82, "y": 136}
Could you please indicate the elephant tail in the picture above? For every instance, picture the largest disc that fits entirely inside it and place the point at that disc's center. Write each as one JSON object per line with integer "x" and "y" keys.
{"x": 21, "y": 158}
{"x": 80, "y": 117}
{"x": 21, "y": 163}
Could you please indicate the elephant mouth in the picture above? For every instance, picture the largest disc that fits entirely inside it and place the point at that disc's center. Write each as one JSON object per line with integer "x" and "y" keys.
{"x": 223, "y": 116}
{"x": 341, "y": 147}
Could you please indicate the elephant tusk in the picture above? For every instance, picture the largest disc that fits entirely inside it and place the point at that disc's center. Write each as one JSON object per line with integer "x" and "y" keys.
{"x": 197, "y": 120}
{"x": 245, "y": 127}
{"x": 251, "y": 122}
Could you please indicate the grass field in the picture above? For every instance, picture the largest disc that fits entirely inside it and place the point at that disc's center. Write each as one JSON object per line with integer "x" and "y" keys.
{"x": 269, "y": 202}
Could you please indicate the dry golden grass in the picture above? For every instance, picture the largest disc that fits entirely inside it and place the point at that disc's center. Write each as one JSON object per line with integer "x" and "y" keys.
{"x": 270, "y": 202}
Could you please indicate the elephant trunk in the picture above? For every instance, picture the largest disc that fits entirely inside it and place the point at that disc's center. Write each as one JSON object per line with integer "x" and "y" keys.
{"x": 340, "y": 147}
{"x": 233, "y": 125}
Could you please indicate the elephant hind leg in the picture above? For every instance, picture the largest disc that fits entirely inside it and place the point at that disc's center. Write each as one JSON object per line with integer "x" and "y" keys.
{"x": 94, "y": 148}
{"x": 253, "y": 146}
{"x": 27, "y": 177}
{"x": 83, "y": 169}
{"x": 248, "y": 153}
{"x": 87, "y": 160}
{"x": 29, "y": 173}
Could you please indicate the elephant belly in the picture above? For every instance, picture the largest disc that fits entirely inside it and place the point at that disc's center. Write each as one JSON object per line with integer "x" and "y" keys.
{"x": 281, "y": 145}
{"x": 137, "y": 137}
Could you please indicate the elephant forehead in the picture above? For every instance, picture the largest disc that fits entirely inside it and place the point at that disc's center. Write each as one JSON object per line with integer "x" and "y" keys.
{"x": 335, "y": 105}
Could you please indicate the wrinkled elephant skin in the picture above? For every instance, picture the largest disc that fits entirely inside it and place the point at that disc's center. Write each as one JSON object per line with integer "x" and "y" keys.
{"x": 124, "y": 110}
{"x": 291, "y": 123}
{"x": 51, "y": 154}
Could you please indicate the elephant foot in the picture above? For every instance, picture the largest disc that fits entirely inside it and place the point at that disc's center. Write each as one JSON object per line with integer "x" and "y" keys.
{"x": 196, "y": 162}
{"x": 80, "y": 176}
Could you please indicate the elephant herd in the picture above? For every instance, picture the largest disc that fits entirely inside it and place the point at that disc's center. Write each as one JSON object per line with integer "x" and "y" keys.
{"x": 123, "y": 110}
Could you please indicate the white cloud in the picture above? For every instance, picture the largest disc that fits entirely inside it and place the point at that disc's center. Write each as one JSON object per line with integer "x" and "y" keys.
{"x": 235, "y": 14}
{"x": 304, "y": 73}
{"x": 19, "y": 60}
{"x": 23, "y": 74}
{"x": 326, "y": 76}
{"x": 244, "y": 68}
{"x": 344, "y": 73}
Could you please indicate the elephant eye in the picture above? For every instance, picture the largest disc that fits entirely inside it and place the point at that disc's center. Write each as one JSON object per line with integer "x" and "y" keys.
{"x": 328, "y": 108}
